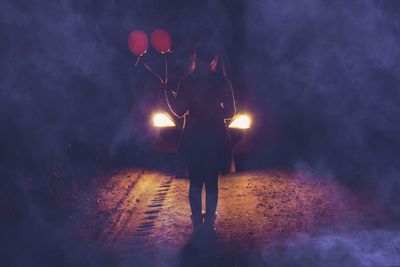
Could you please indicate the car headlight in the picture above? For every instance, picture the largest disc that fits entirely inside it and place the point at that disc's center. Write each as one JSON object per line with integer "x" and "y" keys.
{"x": 162, "y": 120}
{"x": 240, "y": 121}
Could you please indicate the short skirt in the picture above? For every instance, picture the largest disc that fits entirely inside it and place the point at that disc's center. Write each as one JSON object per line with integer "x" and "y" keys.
{"x": 206, "y": 148}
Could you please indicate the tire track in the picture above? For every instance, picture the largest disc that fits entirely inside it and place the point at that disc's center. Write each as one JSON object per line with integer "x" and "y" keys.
{"x": 139, "y": 241}
{"x": 105, "y": 220}
{"x": 132, "y": 211}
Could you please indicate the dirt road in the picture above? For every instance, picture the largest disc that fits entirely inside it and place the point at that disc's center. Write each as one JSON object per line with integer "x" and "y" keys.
{"x": 143, "y": 216}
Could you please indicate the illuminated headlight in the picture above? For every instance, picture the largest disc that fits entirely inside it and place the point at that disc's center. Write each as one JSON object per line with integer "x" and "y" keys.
{"x": 240, "y": 121}
{"x": 162, "y": 120}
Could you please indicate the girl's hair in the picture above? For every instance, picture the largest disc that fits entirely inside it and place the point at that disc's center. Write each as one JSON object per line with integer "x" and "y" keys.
{"x": 208, "y": 54}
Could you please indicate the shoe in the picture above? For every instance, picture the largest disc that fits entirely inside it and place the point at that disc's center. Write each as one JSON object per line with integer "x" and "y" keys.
{"x": 209, "y": 221}
{"x": 197, "y": 222}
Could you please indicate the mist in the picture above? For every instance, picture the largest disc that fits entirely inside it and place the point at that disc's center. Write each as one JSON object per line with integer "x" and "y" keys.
{"x": 321, "y": 79}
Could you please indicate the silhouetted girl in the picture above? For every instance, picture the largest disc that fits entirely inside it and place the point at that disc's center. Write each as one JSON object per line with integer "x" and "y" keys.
{"x": 206, "y": 99}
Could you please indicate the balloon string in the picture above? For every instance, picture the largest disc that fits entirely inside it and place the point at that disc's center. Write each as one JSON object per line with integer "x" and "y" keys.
{"x": 155, "y": 74}
{"x": 137, "y": 61}
{"x": 166, "y": 68}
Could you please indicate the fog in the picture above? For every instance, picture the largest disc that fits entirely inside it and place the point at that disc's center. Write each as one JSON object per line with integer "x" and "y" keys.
{"x": 321, "y": 79}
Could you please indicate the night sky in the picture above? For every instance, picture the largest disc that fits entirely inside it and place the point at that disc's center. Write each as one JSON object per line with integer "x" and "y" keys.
{"x": 321, "y": 79}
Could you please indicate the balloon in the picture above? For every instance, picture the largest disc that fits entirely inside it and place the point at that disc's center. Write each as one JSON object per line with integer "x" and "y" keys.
{"x": 138, "y": 43}
{"x": 161, "y": 41}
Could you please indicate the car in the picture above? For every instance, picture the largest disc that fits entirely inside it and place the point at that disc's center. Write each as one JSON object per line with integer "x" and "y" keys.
{"x": 167, "y": 128}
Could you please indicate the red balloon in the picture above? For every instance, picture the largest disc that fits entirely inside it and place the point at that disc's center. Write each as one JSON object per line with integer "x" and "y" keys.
{"x": 161, "y": 41}
{"x": 138, "y": 43}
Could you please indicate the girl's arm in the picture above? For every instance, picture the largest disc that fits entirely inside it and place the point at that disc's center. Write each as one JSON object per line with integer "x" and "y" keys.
{"x": 228, "y": 101}
{"x": 177, "y": 100}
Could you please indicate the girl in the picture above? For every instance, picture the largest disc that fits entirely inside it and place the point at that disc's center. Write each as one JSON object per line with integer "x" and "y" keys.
{"x": 205, "y": 98}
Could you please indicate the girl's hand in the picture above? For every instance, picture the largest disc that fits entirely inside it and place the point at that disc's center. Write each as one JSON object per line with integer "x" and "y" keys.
{"x": 164, "y": 87}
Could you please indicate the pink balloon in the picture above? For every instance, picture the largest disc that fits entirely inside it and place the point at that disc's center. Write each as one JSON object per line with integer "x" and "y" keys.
{"x": 161, "y": 41}
{"x": 138, "y": 43}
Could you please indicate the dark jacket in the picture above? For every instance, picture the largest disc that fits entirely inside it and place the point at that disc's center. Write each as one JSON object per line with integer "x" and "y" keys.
{"x": 205, "y": 101}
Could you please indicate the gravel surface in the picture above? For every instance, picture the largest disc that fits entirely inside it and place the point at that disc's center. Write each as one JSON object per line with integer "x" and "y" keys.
{"x": 143, "y": 216}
